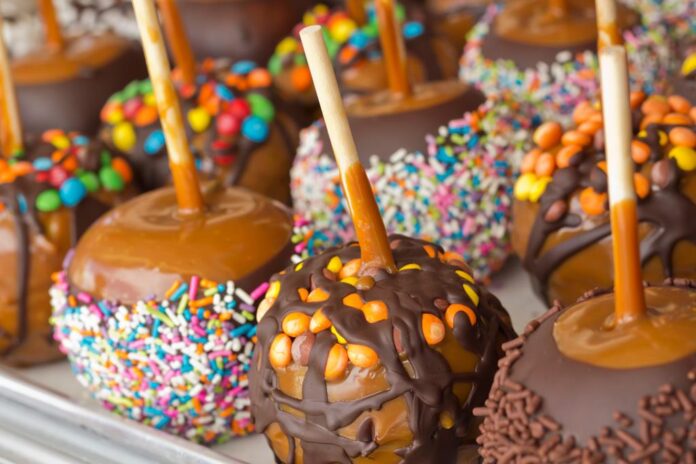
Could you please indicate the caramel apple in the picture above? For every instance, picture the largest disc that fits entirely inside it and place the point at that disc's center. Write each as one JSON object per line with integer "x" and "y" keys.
{"x": 560, "y": 215}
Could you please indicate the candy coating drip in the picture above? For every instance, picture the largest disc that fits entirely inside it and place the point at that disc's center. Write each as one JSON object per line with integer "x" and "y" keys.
{"x": 587, "y": 332}
{"x": 140, "y": 248}
{"x": 412, "y": 402}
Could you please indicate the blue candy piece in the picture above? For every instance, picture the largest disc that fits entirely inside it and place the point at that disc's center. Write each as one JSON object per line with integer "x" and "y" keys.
{"x": 42, "y": 164}
{"x": 224, "y": 92}
{"x": 154, "y": 142}
{"x": 22, "y": 203}
{"x": 72, "y": 192}
{"x": 413, "y": 29}
{"x": 243, "y": 67}
{"x": 359, "y": 40}
{"x": 255, "y": 129}
{"x": 80, "y": 140}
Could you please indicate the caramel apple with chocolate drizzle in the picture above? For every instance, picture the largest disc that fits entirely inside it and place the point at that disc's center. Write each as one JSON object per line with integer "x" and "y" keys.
{"x": 613, "y": 377}
{"x": 64, "y": 84}
{"x": 236, "y": 132}
{"x": 374, "y": 351}
{"x": 184, "y": 261}
{"x": 52, "y": 186}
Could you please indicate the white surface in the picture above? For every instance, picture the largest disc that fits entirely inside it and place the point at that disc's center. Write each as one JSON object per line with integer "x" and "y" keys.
{"x": 511, "y": 285}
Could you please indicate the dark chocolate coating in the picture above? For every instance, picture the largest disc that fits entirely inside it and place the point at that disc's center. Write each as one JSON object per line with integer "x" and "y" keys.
{"x": 428, "y": 391}
{"x": 74, "y": 104}
{"x": 569, "y": 411}
{"x": 238, "y": 29}
{"x": 383, "y": 135}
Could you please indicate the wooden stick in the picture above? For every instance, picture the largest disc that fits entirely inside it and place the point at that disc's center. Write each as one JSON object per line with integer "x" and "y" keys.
{"x": 369, "y": 227}
{"x": 393, "y": 48}
{"x": 181, "y": 162}
{"x": 52, "y": 30}
{"x": 10, "y": 122}
{"x": 630, "y": 299}
{"x": 356, "y": 10}
{"x": 178, "y": 40}
{"x": 608, "y": 31}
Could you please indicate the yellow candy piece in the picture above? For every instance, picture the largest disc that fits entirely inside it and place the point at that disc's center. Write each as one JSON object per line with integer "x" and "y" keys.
{"x": 299, "y": 266}
{"x": 410, "y": 266}
{"x": 342, "y": 29}
{"x": 149, "y": 99}
{"x": 321, "y": 9}
{"x": 538, "y": 188}
{"x": 524, "y": 185}
{"x": 114, "y": 116}
{"x": 124, "y": 136}
{"x": 339, "y": 337}
{"x": 273, "y": 289}
{"x": 198, "y": 119}
{"x": 334, "y": 265}
{"x": 663, "y": 138}
{"x": 465, "y": 276}
{"x": 685, "y": 158}
{"x": 350, "y": 280}
{"x": 689, "y": 65}
{"x": 61, "y": 142}
{"x": 286, "y": 46}
{"x": 471, "y": 293}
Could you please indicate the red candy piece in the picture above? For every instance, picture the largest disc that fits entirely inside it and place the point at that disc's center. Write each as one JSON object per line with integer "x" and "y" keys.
{"x": 131, "y": 107}
{"x": 228, "y": 124}
{"x": 239, "y": 108}
{"x": 57, "y": 175}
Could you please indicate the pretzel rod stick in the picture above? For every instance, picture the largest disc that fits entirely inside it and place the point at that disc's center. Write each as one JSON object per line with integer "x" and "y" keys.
{"x": 608, "y": 31}
{"x": 181, "y": 162}
{"x": 393, "y": 48}
{"x": 630, "y": 299}
{"x": 52, "y": 30}
{"x": 369, "y": 227}
{"x": 177, "y": 39}
{"x": 10, "y": 122}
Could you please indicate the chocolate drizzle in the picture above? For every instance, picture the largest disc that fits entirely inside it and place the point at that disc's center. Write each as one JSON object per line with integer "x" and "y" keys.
{"x": 419, "y": 375}
{"x": 667, "y": 209}
{"x": 537, "y": 409}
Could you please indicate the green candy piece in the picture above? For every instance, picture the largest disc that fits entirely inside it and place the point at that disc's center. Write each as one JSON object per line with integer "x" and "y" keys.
{"x": 105, "y": 158}
{"x": 90, "y": 181}
{"x": 275, "y": 64}
{"x": 261, "y": 106}
{"x": 400, "y": 12}
{"x": 131, "y": 90}
{"x": 116, "y": 98}
{"x": 371, "y": 30}
{"x": 48, "y": 200}
{"x": 300, "y": 59}
{"x": 145, "y": 86}
{"x": 110, "y": 179}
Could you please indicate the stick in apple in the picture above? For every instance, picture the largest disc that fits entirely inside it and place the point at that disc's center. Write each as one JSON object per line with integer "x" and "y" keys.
{"x": 393, "y": 48}
{"x": 178, "y": 40}
{"x": 10, "y": 122}
{"x": 608, "y": 31}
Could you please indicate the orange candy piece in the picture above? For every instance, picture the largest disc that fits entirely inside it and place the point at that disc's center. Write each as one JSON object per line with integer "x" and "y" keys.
{"x": 433, "y": 329}
{"x": 300, "y": 78}
{"x": 655, "y": 104}
{"x": 641, "y": 184}
{"x": 123, "y": 168}
{"x": 353, "y": 301}
{"x": 454, "y": 309}
{"x": 565, "y": 154}
{"x": 350, "y": 269}
{"x": 677, "y": 118}
{"x": 375, "y": 311}
{"x": 362, "y": 356}
{"x": 430, "y": 250}
{"x": 529, "y": 161}
{"x": 336, "y": 364}
{"x": 679, "y": 104}
{"x": 640, "y": 151}
{"x": 591, "y": 202}
{"x": 319, "y": 322}
{"x": 582, "y": 112}
{"x": 145, "y": 116}
{"x": 682, "y": 137}
{"x": 303, "y": 293}
{"x": 316, "y": 295}
{"x": 636, "y": 99}
{"x": 279, "y": 354}
{"x": 590, "y": 127}
{"x": 575, "y": 137}
{"x": 545, "y": 165}
{"x": 259, "y": 77}
{"x": 295, "y": 324}
{"x": 650, "y": 119}
{"x": 548, "y": 135}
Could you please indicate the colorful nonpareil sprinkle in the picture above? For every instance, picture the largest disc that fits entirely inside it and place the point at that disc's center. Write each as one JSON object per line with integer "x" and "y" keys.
{"x": 229, "y": 102}
{"x": 62, "y": 168}
{"x": 558, "y": 87}
{"x": 458, "y": 193}
{"x": 178, "y": 364}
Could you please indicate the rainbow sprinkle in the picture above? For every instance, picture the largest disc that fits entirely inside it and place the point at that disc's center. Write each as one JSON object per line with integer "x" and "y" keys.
{"x": 179, "y": 364}
{"x": 458, "y": 194}
{"x": 557, "y": 88}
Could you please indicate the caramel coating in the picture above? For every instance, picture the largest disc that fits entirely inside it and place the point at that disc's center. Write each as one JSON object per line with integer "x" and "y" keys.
{"x": 140, "y": 248}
